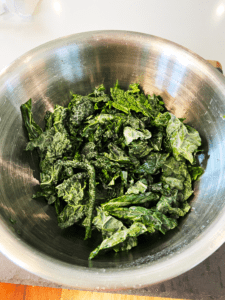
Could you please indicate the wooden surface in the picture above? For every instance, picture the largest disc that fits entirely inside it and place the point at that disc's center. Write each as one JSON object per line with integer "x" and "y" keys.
{"x": 10, "y": 291}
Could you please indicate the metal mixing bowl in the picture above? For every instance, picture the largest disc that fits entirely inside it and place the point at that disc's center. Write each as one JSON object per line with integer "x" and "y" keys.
{"x": 191, "y": 89}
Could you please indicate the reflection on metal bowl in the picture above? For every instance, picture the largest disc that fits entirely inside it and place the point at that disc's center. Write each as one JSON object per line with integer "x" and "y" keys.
{"x": 191, "y": 89}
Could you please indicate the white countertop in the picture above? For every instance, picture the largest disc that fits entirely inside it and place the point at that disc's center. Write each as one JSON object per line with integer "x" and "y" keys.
{"x": 196, "y": 24}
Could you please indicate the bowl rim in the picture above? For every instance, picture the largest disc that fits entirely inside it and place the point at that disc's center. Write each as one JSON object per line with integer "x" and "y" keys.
{"x": 111, "y": 279}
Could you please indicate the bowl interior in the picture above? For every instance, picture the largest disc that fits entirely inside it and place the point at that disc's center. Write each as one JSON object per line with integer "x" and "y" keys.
{"x": 78, "y": 64}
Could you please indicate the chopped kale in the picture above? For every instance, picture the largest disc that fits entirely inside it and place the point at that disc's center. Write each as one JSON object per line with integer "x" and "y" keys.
{"x": 121, "y": 237}
{"x": 130, "y": 199}
{"x": 152, "y": 219}
{"x": 139, "y": 149}
{"x": 106, "y": 223}
{"x": 195, "y": 172}
{"x": 184, "y": 139}
{"x": 131, "y": 134}
{"x": 70, "y": 215}
{"x": 33, "y": 129}
{"x": 139, "y": 187}
{"x": 117, "y": 163}
{"x": 153, "y": 163}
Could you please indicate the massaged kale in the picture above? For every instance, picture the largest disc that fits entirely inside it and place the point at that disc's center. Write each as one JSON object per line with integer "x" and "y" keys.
{"x": 117, "y": 163}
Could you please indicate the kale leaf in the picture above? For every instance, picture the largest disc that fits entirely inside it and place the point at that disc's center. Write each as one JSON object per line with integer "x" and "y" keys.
{"x": 162, "y": 119}
{"x": 130, "y": 199}
{"x": 195, "y": 172}
{"x": 117, "y": 154}
{"x": 152, "y": 219}
{"x": 153, "y": 163}
{"x": 139, "y": 187}
{"x": 33, "y": 129}
{"x": 71, "y": 189}
{"x": 130, "y": 100}
{"x": 139, "y": 149}
{"x": 120, "y": 237}
{"x": 91, "y": 173}
{"x": 118, "y": 163}
{"x": 156, "y": 141}
{"x": 184, "y": 139}
{"x": 106, "y": 223}
{"x": 131, "y": 134}
{"x": 70, "y": 215}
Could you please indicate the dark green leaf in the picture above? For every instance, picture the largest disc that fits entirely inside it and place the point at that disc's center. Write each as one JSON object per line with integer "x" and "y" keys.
{"x": 161, "y": 188}
{"x": 156, "y": 104}
{"x": 127, "y": 101}
{"x": 54, "y": 145}
{"x": 120, "y": 237}
{"x": 184, "y": 140}
{"x": 153, "y": 220}
{"x": 175, "y": 173}
{"x": 187, "y": 188}
{"x": 89, "y": 150}
{"x": 139, "y": 149}
{"x": 90, "y": 207}
{"x": 134, "y": 122}
{"x": 195, "y": 172}
{"x": 79, "y": 112}
{"x": 70, "y": 215}
{"x": 112, "y": 182}
{"x": 153, "y": 163}
{"x": 131, "y": 199}
{"x": 48, "y": 120}
{"x": 107, "y": 224}
{"x": 33, "y": 129}
{"x": 71, "y": 189}
{"x": 59, "y": 116}
{"x": 169, "y": 204}
{"x": 50, "y": 175}
{"x": 117, "y": 154}
{"x": 98, "y": 95}
{"x": 105, "y": 164}
{"x": 162, "y": 119}
{"x": 131, "y": 134}
{"x": 124, "y": 177}
{"x": 139, "y": 187}
{"x": 156, "y": 141}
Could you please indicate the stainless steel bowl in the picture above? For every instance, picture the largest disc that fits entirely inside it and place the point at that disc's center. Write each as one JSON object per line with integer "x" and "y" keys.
{"x": 191, "y": 88}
